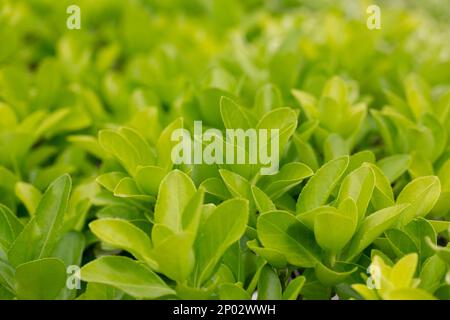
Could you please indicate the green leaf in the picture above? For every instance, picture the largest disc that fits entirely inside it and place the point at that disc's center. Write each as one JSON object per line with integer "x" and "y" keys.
{"x": 330, "y": 113}
{"x": 174, "y": 256}
{"x": 283, "y": 119}
{"x": 401, "y": 242}
{"x": 417, "y": 95}
{"x": 402, "y": 273}
{"x": 443, "y": 292}
{"x": 359, "y": 158}
{"x": 29, "y": 195}
{"x": 359, "y": 186}
{"x": 269, "y": 286}
{"x": 256, "y": 275}
{"x": 308, "y": 218}
{"x": 288, "y": 177}
{"x": 233, "y": 115}
{"x": 7, "y": 280}
{"x": 145, "y": 155}
{"x": 439, "y": 226}
{"x": 438, "y": 133}
{"x": 236, "y": 185}
{"x": 230, "y": 291}
{"x": 336, "y": 88}
{"x": 384, "y": 257}
{"x": 332, "y": 277}
{"x": 110, "y": 180}
{"x": 43, "y": 230}
{"x": 306, "y": 153}
{"x": 306, "y": 130}
{"x": 216, "y": 187}
{"x": 88, "y": 143}
{"x": 165, "y": 144}
{"x": 193, "y": 212}
{"x": 10, "y": 227}
{"x": 114, "y": 143}
{"x": 394, "y": 166}
{"x": 320, "y": 186}
{"x": 443, "y": 204}
{"x": 365, "y": 292}
{"x": 159, "y": 233}
{"x": 175, "y": 192}
{"x": 148, "y": 178}
{"x": 217, "y": 83}
{"x": 40, "y": 279}
{"x": 442, "y": 252}
{"x": 444, "y": 175}
{"x": 127, "y": 275}
{"x": 281, "y": 231}
{"x": 308, "y": 103}
{"x": 313, "y": 289}
{"x": 97, "y": 291}
{"x": 422, "y": 194}
{"x": 383, "y": 196}
{"x": 419, "y": 230}
{"x": 267, "y": 98}
{"x": 432, "y": 273}
{"x": 348, "y": 209}
{"x": 262, "y": 201}
{"x": 335, "y": 147}
{"x": 409, "y": 294}
{"x": 273, "y": 257}
{"x": 120, "y": 211}
{"x": 124, "y": 235}
{"x": 224, "y": 226}
{"x": 293, "y": 289}
{"x": 70, "y": 250}
{"x": 63, "y": 119}
{"x": 420, "y": 166}
{"x": 328, "y": 235}
{"x": 374, "y": 225}
{"x": 127, "y": 188}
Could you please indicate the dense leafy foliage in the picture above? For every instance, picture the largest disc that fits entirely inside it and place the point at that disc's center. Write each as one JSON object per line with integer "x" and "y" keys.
{"x": 359, "y": 209}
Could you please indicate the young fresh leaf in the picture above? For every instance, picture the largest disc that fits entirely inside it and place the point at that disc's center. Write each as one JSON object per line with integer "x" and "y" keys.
{"x": 124, "y": 235}
{"x": 281, "y": 231}
{"x": 372, "y": 227}
{"x": 269, "y": 286}
{"x": 224, "y": 226}
{"x": 40, "y": 279}
{"x": 174, "y": 194}
{"x": 422, "y": 194}
{"x": 127, "y": 275}
{"x": 321, "y": 184}
{"x": 40, "y": 235}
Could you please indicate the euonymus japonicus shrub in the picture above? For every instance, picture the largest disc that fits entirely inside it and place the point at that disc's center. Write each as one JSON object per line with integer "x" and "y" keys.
{"x": 93, "y": 205}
